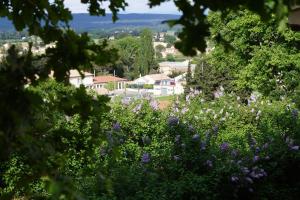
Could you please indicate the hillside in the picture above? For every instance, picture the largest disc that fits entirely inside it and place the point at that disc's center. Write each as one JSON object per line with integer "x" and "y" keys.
{"x": 85, "y": 22}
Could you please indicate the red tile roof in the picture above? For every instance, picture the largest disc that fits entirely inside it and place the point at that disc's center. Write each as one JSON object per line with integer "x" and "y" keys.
{"x": 107, "y": 79}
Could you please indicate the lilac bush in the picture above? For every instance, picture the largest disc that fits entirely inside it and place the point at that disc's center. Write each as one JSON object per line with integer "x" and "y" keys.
{"x": 240, "y": 148}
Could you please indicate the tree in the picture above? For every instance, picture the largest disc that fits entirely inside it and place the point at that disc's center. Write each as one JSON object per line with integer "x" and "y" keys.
{"x": 145, "y": 62}
{"x": 170, "y": 40}
{"x": 188, "y": 79}
{"x": 208, "y": 78}
{"x": 170, "y": 57}
{"x": 128, "y": 49}
{"x": 160, "y": 48}
{"x": 255, "y": 54}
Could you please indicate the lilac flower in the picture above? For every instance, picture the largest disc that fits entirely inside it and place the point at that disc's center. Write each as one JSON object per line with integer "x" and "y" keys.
{"x": 267, "y": 158}
{"x": 295, "y": 113}
{"x": 265, "y": 146}
{"x": 209, "y": 163}
{"x": 245, "y": 170}
{"x": 296, "y": 148}
{"x": 173, "y": 121}
{"x": 196, "y": 137}
{"x": 239, "y": 162}
{"x": 177, "y": 138}
{"x": 145, "y": 158}
{"x": 187, "y": 98}
{"x": 154, "y": 105}
{"x": 184, "y": 110}
{"x": 137, "y": 108}
{"x": 202, "y": 146}
{"x": 224, "y": 146}
{"x": 253, "y": 174}
{"x": 215, "y": 129}
{"x": 257, "y": 150}
{"x": 191, "y": 128}
{"x": 248, "y": 179}
{"x": 176, "y": 158}
{"x": 234, "y": 153}
{"x": 256, "y": 158}
{"x": 110, "y": 138}
{"x": 125, "y": 101}
{"x": 234, "y": 179}
{"x": 117, "y": 126}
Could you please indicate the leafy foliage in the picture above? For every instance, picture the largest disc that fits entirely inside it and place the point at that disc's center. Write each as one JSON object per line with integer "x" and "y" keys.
{"x": 53, "y": 132}
{"x": 254, "y": 56}
{"x": 220, "y": 149}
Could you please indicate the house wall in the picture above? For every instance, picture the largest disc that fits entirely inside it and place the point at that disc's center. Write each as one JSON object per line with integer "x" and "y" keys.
{"x": 77, "y": 81}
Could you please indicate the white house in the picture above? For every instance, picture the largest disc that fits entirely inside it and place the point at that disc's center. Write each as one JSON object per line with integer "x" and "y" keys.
{"x": 153, "y": 79}
{"x": 100, "y": 83}
{"x": 76, "y": 79}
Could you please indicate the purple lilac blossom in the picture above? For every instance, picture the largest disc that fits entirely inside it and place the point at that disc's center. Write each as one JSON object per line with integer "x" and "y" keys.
{"x": 245, "y": 170}
{"x": 234, "y": 153}
{"x": 209, "y": 163}
{"x": 265, "y": 146}
{"x": 234, "y": 179}
{"x": 267, "y": 158}
{"x": 256, "y": 158}
{"x": 202, "y": 146}
{"x": 295, "y": 113}
{"x": 257, "y": 150}
{"x": 215, "y": 129}
{"x": 184, "y": 110}
{"x": 173, "y": 121}
{"x": 137, "y": 108}
{"x": 117, "y": 126}
{"x": 125, "y": 101}
{"x": 154, "y": 105}
{"x": 196, "y": 137}
{"x": 224, "y": 146}
{"x": 145, "y": 158}
{"x": 296, "y": 148}
{"x": 177, "y": 138}
{"x": 249, "y": 180}
{"x": 176, "y": 158}
{"x": 191, "y": 128}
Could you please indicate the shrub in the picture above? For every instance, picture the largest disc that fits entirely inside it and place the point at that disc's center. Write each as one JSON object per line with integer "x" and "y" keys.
{"x": 220, "y": 149}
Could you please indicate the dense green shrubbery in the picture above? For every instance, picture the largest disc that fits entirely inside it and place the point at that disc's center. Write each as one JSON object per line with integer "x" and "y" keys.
{"x": 220, "y": 149}
{"x": 198, "y": 149}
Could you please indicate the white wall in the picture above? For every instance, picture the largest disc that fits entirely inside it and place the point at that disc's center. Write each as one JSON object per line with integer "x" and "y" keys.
{"x": 77, "y": 81}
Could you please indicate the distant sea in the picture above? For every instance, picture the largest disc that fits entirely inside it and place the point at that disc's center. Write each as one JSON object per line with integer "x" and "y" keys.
{"x": 85, "y": 22}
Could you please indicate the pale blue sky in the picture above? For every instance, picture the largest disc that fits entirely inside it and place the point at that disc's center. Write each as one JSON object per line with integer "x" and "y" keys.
{"x": 135, "y": 6}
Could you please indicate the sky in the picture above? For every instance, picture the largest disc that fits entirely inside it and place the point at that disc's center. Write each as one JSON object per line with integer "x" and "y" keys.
{"x": 135, "y": 6}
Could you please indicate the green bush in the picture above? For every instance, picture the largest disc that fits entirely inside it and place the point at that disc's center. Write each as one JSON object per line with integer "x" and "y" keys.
{"x": 221, "y": 149}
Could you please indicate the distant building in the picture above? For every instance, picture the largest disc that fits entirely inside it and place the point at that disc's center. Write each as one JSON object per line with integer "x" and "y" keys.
{"x": 100, "y": 83}
{"x": 76, "y": 79}
{"x": 153, "y": 79}
{"x": 168, "y": 68}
